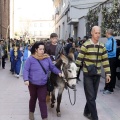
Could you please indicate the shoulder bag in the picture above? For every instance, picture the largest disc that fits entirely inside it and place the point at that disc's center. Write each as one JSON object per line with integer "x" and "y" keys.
{"x": 50, "y": 86}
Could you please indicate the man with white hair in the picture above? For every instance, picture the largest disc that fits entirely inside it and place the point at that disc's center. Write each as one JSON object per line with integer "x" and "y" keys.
{"x": 91, "y": 55}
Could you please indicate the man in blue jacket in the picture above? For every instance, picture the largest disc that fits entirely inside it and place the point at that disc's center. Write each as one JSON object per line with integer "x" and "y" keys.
{"x": 111, "y": 50}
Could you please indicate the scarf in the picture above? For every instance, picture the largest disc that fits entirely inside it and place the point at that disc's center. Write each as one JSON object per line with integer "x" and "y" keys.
{"x": 41, "y": 57}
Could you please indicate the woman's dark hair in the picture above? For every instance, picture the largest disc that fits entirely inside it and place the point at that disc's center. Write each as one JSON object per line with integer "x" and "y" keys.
{"x": 36, "y": 46}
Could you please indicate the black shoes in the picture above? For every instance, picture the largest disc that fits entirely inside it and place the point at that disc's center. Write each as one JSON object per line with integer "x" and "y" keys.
{"x": 88, "y": 116}
{"x": 78, "y": 79}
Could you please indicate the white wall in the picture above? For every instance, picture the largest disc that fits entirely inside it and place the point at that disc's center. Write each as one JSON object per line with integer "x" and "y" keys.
{"x": 85, "y": 3}
{"x": 77, "y": 13}
{"x": 63, "y": 32}
{"x": 82, "y": 27}
{"x": 77, "y": 5}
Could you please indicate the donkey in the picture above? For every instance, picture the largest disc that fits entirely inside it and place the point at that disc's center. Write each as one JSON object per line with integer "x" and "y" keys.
{"x": 69, "y": 72}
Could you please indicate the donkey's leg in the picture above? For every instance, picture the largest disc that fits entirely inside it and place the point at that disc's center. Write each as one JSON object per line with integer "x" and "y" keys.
{"x": 59, "y": 98}
{"x": 52, "y": 98}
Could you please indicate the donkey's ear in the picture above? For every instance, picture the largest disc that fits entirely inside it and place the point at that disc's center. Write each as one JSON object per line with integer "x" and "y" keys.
{"x": 71, "y": 57}
{"x": 64, "y": 59}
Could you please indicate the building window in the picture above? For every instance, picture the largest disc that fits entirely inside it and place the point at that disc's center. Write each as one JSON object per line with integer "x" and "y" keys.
{"x": 41, "y": 24}
{"x": 50, "y": 25}
{"x": 59, "y": 31}
{"x": 63, "y": 3}
{"x": 31, "y": 33}
{"x": 41, "y": 33}
{"x": 35, "y": 33}
{"x": 35, "y": 24}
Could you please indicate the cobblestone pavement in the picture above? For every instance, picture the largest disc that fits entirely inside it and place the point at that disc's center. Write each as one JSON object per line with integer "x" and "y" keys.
{"x": 14, "y": 99}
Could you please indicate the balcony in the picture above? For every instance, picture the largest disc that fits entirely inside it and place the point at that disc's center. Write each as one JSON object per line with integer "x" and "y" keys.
{"x": 73, "y": 21}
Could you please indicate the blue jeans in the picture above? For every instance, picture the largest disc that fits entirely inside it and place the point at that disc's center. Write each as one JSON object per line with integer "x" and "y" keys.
{"x": 91, "y": 85}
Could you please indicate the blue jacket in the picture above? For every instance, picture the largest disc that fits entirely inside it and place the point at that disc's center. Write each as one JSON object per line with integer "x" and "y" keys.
{"x": 111, "y": 47}
{"x": 25, "y": 54}
{"x": 18, "y": 56}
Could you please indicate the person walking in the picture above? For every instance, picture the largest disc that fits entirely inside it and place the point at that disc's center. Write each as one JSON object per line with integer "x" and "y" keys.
{"x": 16, "y": 55}
{"x": 36, "y": 79}
{"x": 92, "y": 53}
{"x": 0, "y": 53}
{"x": 3, "y": 53}
{"x": 26, "y": 55}
{"x": 111, "y": 47}
{"x": 69, "y": 45}
{"x": 12, "y": 58}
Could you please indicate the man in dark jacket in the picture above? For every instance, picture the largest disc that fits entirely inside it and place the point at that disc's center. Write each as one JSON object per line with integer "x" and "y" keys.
{"x": 3, "y": 53}
{"x": 69, "y": 45}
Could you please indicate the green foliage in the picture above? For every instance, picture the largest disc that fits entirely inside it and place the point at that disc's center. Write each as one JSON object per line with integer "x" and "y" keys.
{"x": 92, "y": 20}
{"x": 111, "y": 19}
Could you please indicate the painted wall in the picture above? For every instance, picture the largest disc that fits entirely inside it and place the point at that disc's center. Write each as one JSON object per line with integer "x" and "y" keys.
{"x": 81, "y": 27}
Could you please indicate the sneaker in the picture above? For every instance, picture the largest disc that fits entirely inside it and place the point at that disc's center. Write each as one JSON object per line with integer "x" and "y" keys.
{"x": 107, "y": 92}
{"x": 78, "y": 79}
{"x": 102, "y": 90}
{"x": 17, "y": 76}
{"x": 87, "y": 116}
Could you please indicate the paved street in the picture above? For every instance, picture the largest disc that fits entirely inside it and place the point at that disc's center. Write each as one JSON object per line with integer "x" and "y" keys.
{"x": 14, "y": 98}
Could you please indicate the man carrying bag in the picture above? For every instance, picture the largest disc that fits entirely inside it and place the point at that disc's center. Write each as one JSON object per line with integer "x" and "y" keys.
{"x": 92, "y": 54}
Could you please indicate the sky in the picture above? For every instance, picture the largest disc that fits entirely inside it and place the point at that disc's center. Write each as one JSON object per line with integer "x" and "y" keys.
{"x": 33, "y": 8}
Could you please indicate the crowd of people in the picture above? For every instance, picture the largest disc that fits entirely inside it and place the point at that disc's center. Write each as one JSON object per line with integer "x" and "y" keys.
{"x": 26, "y": 58}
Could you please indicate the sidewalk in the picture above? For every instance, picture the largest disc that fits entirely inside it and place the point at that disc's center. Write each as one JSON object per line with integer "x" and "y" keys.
{"x": 14, "y": 100}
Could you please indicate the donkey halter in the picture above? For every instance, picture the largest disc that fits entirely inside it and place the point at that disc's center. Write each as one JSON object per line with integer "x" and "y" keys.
{"x": 66, "y": 79}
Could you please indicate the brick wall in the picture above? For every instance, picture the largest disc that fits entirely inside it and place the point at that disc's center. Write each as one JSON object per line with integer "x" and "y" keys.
{"x": 4, "y": 18}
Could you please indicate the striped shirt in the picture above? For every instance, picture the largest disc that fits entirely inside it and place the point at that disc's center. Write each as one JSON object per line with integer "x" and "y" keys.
{"x": 88, "y": 54}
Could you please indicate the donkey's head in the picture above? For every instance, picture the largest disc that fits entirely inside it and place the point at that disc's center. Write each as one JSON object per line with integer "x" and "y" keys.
{"x": 69, "y": 70}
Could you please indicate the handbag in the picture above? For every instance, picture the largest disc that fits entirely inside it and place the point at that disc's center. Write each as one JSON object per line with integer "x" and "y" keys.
{"x": 92, "y": 69}
{"x": 50, "y": 86}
